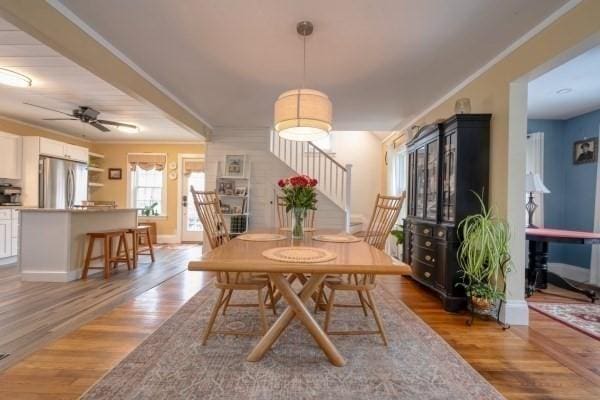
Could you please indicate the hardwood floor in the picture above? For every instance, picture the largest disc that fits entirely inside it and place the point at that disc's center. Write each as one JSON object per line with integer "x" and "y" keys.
{"x": 35, "y": 313}
{"x": 546, "y": 360}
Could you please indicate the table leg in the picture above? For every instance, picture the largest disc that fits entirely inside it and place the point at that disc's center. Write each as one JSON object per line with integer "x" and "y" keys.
{"x": 538, "y": 266}
{"x": 296, "y": 308}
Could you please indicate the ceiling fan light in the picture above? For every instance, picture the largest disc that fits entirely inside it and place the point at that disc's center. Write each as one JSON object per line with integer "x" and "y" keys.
{"x": 12, "y": 78}
{"x": 128, "y": 129}
{"x": 303, "y": 115}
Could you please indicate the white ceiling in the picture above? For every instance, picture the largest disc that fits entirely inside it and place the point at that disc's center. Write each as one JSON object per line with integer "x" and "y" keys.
{"x": 381, "y": 62}
{"x": 580, "y": 74}
{"x": 60, "y": 84}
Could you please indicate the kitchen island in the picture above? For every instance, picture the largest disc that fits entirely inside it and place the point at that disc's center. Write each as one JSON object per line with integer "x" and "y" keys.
{"x": 52, "y": 242}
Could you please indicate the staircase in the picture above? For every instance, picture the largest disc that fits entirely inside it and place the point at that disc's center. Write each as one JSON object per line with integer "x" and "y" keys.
{"x": 307, "y": 159}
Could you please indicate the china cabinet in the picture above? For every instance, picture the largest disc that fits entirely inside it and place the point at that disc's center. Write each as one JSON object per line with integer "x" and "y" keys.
{"x": 446, "y": 163}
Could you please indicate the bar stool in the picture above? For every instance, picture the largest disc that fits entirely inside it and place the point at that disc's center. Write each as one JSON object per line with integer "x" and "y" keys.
{"x": 109, "y": 259}
{"x": 141, "y": 232}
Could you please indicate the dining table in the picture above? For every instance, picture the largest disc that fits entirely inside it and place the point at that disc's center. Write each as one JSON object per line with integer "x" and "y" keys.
{"x": 247, "y": 256}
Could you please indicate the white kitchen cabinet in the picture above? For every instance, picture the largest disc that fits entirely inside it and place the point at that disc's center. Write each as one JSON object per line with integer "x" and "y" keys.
{"x": 5, "y": 238}
{"x": 10, "y": 156}
{"x": 54, "y": 148}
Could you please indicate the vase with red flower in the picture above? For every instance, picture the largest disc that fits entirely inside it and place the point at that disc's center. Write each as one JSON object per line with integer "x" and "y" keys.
{"x": 299, "y": 196}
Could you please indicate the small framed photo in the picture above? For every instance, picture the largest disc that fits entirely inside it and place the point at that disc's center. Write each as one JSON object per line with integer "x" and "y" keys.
{"x": 234, "y": 166}
{"x": 226, "y": 187}
{"x": 585, "y": 151}
{"x": 240, "y": 191}
{"x": 115, "y": 173}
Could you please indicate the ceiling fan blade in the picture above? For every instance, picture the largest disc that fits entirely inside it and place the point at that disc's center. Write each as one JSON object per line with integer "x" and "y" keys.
{"x": 59, "y": 119}
{"x": 49, "y": 109}
{"x": 99, "y": 126}
{"x": 114, "y": 123}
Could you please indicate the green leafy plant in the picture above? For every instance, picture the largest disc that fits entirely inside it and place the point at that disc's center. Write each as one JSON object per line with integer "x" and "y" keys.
{"x": 150, "y": 211}
{"x": 483, "y": 254}
{"x": 398, "y": 233}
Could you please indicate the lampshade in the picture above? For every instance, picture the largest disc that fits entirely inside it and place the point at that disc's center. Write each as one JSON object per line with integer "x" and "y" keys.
{"x": 533, "y": 183}
{"x": 303, "y": 115}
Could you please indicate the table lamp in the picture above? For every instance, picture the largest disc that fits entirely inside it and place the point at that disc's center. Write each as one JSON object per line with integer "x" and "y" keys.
{"x": 533, "y": 184}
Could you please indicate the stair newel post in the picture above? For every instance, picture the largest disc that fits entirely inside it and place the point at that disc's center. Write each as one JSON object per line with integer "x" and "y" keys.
{"x": 347, "y": 195}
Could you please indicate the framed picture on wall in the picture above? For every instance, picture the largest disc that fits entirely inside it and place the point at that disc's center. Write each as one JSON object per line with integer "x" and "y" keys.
{"x": 234, "y": 166}
{"x": 585, "y": 151}
{"x": 115, "y": 173}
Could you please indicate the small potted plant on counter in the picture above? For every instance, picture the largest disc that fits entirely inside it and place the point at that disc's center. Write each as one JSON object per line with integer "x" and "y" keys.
{"x": 484, "y": 259}
{"x": 299, "y": 196}
{"x": 150, "y": 211}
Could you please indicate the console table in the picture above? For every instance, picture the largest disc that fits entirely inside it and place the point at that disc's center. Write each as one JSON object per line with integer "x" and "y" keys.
{"x": 538, "y": 275}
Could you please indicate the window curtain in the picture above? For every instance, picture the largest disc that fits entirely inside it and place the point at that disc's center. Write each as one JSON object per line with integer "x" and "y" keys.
{"x": 192, "y": 165}
{"x": 147, "y": 161}
{"x": 535, "y": 163}
{"x": 595, "y": 261}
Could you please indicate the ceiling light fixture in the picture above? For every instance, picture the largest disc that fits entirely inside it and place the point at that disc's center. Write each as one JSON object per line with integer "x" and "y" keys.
{"x": 129, "y": 128}
{"x": 564, "y": 91}
{"x": 303, "y": 114}
{"x": 12, "y": 78}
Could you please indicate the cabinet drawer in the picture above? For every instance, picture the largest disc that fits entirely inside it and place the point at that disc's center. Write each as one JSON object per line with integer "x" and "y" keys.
{"x": 424, "y": 273}
{"x": 5, "y": 214}
{"x": 440, "y": 233}
{"x": 424, "y": 241}
{"x": 428, "y": 256}
{"x": 423, "y": 229}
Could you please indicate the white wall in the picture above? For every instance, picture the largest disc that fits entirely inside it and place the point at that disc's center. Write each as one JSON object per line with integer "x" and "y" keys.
{"x": 363, "y": 150}
{"x": 266, "y": 170}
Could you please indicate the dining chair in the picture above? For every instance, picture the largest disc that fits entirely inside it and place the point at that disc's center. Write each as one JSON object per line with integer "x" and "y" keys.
{"x": 208, "y": 207}
{"x": 385, "y": 215}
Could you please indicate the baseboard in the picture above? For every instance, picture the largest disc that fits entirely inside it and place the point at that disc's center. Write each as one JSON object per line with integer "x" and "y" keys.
{"x": 46, "y": 276}
{"x": 569, "y": 271}
{"x": 515, "y": 312}
{"x": 167, "y": 239}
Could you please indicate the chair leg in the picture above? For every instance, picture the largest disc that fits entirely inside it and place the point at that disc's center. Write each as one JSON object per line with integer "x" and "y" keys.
{"x": 319, "y": 297}
{"x": 261, "y": 310}
{"x": 150, "y": 244}
{"x": 126, "y": 247}
{"x": 362, "y": 302}
{"x": 213, "y": 317}
{"x": 329, "y": 309}
{"x": 377, "y": 318}
{"x": 134, "y": 250}
{"x": 229, "y": 293}
{"x": 88, "y": 257}
{"x": 107, "y": 253}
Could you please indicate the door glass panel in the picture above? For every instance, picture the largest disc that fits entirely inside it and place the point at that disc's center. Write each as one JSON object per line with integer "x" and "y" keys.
{"x": 432, "y": 180}
{"x": 195, "y": 179}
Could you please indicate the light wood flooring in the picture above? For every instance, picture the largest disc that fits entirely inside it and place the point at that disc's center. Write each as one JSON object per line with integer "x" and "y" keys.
{"x": 546, "y": 360}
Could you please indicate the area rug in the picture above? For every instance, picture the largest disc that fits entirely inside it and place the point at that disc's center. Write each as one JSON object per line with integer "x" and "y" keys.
{"x": 584, "y": 317}
{"x": 172, "y": 364}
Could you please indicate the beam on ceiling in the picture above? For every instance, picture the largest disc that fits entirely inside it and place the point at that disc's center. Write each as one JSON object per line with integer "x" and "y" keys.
{"x": 42, "y": 21}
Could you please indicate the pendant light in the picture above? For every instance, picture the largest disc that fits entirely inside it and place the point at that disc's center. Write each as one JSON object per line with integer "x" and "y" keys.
{"x": 303, "y": 114}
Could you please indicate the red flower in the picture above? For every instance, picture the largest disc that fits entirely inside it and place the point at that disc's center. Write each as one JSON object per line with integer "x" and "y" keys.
{"x": 313, "y": 182}
{"x": 281, "y": 183}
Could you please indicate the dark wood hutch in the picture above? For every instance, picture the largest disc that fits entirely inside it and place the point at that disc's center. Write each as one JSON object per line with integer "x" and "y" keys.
{"x": 446, "y": 161}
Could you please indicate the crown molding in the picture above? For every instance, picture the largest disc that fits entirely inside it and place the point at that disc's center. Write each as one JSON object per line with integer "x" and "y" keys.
{"x": 43, "y": 128}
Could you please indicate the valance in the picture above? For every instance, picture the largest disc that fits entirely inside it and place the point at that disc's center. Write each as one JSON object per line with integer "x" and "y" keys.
{"x": 190, "y": 166}
{"x": 147, "y": 161}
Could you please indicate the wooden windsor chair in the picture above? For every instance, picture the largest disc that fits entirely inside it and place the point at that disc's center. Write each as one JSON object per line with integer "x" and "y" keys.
{"x": 385, "y": 214}
{"x": 208, "y": 207}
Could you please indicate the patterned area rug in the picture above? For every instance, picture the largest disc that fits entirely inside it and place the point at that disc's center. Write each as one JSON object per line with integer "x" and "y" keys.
{"x": 172, "y": 364}
{"x": 584, "y": 317}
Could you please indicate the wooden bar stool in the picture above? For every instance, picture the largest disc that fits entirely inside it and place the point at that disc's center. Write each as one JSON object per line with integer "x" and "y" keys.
{"x": 141, "y": 232}
{"x": 109, "y": 259}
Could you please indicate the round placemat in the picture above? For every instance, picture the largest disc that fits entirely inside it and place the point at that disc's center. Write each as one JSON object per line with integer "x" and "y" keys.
{"x": 337, "y": 238}
{"x": 304, "y": 229}
{"x": 261, "y": 237}
{"x": 299, "y": 254}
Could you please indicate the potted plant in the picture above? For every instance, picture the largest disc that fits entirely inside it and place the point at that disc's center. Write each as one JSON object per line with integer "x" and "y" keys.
{"x": 299, "y": 196}
{"x": 150, "y": 211}
{"x": 398, "y": 233}
{"x": 483, "y": 257}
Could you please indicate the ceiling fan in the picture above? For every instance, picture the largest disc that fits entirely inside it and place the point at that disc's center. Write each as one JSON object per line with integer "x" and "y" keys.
{"x": 89, "y": 116}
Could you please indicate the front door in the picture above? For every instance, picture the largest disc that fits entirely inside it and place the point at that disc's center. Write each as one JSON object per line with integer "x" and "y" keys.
{"x": 191, "y": 227}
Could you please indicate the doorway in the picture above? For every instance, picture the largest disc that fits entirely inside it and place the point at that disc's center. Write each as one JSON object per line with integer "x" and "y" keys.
{"x": 191, "y": 173}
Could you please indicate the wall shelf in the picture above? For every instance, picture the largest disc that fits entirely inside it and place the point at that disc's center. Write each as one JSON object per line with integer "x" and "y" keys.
{"x": 95, "y": 169}
{"x": 95, "y": 184}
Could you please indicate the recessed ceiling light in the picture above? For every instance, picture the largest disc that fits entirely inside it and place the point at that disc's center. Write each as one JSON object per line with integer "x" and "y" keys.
{"x": 12, "y": 78}
{"x": 564, "y": 90}
{"x": 129, "y": 128}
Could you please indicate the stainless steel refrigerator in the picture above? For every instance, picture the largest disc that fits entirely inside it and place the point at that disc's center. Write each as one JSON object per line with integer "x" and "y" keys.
{"x": 63, "y": 184}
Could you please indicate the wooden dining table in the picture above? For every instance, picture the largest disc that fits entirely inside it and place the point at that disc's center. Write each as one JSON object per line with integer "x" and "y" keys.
{"x": 246, "y": 256}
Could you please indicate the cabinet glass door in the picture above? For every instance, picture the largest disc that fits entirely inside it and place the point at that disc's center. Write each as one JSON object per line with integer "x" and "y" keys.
{"x": 432, "y": 180}
{"x": 449, "y": 177}
{"x": 420, "y": 177}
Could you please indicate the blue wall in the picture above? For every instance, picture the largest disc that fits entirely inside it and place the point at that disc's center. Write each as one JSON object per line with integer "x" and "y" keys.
{"x": 571, "y": 203}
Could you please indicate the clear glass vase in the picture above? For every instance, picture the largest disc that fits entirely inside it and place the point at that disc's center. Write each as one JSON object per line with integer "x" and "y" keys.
{"x": 298, "y": 223}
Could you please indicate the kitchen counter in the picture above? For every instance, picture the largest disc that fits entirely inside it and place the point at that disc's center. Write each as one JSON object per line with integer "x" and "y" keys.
{"x": 53, "y": 241}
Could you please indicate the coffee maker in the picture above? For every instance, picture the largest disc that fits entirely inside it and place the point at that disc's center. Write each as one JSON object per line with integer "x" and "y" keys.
{"x": 10, "y": 195}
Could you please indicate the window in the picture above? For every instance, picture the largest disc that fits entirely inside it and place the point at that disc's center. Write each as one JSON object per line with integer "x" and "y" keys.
{"x": 148, "y": 188}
